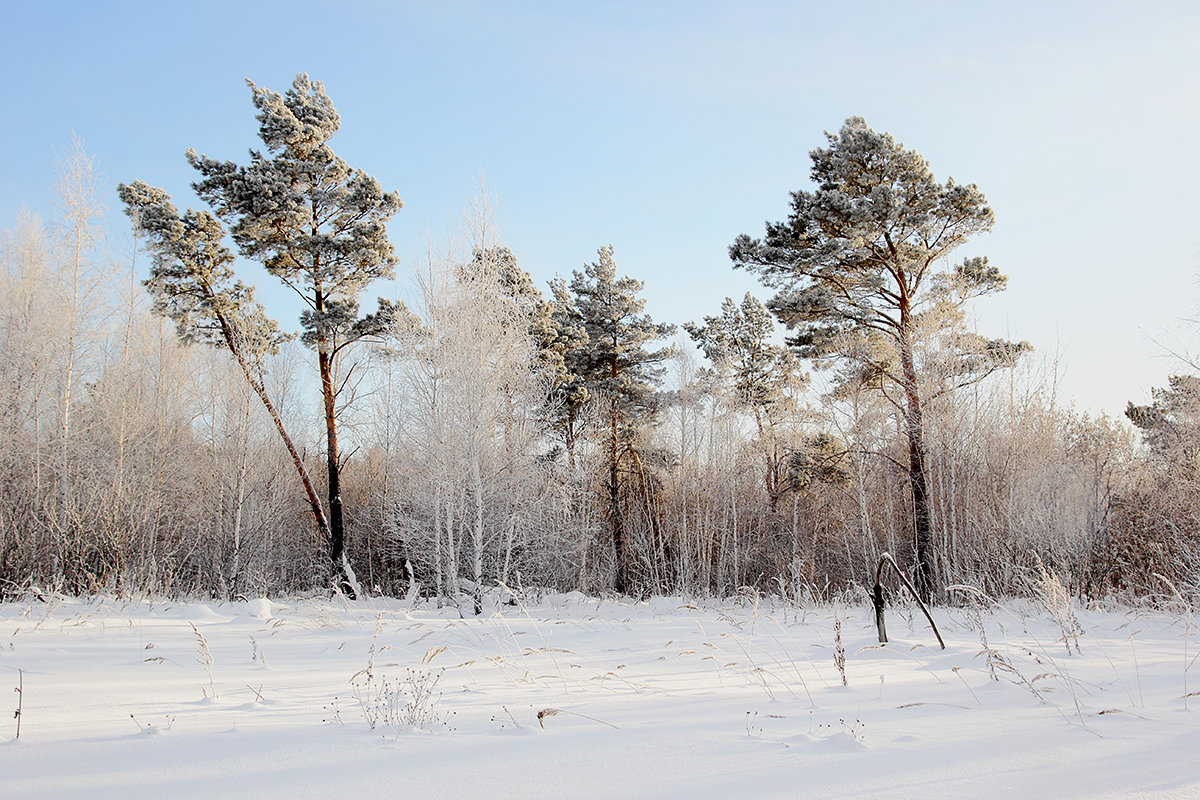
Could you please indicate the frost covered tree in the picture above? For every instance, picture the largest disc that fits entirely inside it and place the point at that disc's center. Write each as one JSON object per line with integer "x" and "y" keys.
{"x": 566, "y": 339}
{"x": 319, "y": 226}
{"x": 193, "y": 283}
{"x": 475, "y": 388}
{"x": 498, "y": 396}
{"x": 856, "y": 264}
{"x": 1171, "y": 424}
{"x": 79, "y": 283}
{"x": 1156, "y": 522}
{"x": 615, "y": 366}
{"x": 494, "y": 270}
{"x": 763, "y": 377}
{"x": 54, "y": 278}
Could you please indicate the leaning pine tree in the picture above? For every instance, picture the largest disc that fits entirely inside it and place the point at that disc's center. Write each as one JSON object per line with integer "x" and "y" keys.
{"x": 855, "y": 267}
{"x": 319, "y": 226}
{"x": 193, "y": 283}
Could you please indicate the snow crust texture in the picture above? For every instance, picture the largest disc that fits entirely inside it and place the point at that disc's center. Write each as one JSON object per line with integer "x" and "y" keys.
{"x": 570, "y": 696}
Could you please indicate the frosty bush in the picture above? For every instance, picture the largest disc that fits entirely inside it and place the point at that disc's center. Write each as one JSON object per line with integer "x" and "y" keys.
{"x": 407, "y": 703}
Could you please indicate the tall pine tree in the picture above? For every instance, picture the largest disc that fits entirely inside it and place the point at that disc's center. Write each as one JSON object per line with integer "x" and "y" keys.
{"x": 566, "y": 339}
{"x": 855, "y": 266}
{"x": 615, "y": 365}
{"x": 319, "y": 226}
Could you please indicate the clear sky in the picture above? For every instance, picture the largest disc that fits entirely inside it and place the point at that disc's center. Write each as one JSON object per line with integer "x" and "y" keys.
{"x": 666, "y": 129}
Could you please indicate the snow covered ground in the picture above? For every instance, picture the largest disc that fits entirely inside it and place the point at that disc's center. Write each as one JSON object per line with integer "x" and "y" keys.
{"x": 569, "y": 696}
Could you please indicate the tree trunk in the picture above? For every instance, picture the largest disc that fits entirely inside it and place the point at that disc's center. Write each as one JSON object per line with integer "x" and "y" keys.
{"x": 336, "y": 525}
{"x": 235, "y": 347}
{"x": 664, "y": 558}
{"x": 917, "y": 479}
{"x": 337, "y": 557}
{"x": 437, "y": 541}
{"x": 477, "y": 533}
{"x": 239, "y": 498}
{"x": 569, "y": 439}
{"x": 614, "y": 502}
{"x": 68, "y": 382}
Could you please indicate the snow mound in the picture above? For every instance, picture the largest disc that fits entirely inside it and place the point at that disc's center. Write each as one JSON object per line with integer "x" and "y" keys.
{"x": 259, "y": 608}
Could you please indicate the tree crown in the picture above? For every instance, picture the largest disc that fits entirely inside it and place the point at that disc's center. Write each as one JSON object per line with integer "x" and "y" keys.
{"x": 854, "y": 253}
{"x": 314, "y": 222}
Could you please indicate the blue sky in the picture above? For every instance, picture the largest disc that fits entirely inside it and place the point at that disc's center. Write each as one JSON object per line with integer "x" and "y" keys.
{"x": 666, "y": 129}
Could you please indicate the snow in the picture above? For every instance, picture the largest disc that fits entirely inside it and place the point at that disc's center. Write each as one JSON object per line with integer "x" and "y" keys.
{"x": 569, "y": 696}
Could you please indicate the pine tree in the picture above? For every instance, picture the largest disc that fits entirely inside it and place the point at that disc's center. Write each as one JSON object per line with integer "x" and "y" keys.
{"x": 855, "y": 266}
{"x": 566, "y": 341}
{"x": 477, "y": 388}
{"x": 319, "y": 226}
{"x": 1170, "y": 425}
{"x": 517, "y": 284}
{"x": 615, "y": 366}
{"x": 763, "y": 377}
{"x": 193, "y": 283}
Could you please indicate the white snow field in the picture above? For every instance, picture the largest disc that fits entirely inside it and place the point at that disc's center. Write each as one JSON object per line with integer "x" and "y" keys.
{"x": 569, "y": 696}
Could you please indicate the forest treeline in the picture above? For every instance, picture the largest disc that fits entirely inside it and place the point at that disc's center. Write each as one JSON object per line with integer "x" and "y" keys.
{"x": 170, "y": 436}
